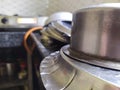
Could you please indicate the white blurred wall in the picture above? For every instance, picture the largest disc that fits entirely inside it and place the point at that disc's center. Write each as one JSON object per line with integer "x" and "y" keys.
{"x": 44, "y": 7}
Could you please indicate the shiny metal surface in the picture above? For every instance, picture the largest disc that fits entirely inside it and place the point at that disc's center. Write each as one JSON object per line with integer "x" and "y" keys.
{"x": 58, "y": 26}
{"x": 59, "y": 16}
{"x": 92, "y": 60}
{"x": 84, "y": 77}
{"x": 89, "y": 77}
{"x": 63, "y": 27}
{"x": 96, "y": 31}
{"x": 58, "y": 30}
{"x": 56, "y": 73}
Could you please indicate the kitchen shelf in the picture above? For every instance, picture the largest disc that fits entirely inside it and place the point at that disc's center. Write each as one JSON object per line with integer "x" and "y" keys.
{"x": 13, "y": 83}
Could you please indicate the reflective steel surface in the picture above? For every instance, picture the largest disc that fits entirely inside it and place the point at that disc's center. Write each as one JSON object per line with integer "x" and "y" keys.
{"x": 66, "y": 73}
{"x": 58, "y": 30}
{"x": 90, "y": 77}
{"x": 59, "y": 16}
{"x": 91, "y": 62}
{"x": 58, "y": 26}
{"x": 96, "y": 31}
{"x": 56, "y": 74}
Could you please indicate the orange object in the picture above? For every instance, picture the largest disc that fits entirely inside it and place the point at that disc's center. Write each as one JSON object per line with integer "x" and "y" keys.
{"x": 26, "y": 37}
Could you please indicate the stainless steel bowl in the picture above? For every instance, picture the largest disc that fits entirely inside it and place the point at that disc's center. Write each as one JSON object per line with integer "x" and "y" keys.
{"x": 96, "y": 31}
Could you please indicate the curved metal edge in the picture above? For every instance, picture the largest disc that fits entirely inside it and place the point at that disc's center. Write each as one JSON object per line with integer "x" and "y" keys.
{"x": 98, "y": 6}
{"x": 113, "y": 65}
{"x": 54, "y": 70}
{"x": 103, "y": 78}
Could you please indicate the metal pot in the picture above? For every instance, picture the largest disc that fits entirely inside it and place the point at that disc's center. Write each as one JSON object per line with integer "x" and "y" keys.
{"x": 96, "y": 31}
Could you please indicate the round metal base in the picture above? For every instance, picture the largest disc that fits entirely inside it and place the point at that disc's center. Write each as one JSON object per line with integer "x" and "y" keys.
{"x": 91, "y": 60}
{"x": 61, "y": 72}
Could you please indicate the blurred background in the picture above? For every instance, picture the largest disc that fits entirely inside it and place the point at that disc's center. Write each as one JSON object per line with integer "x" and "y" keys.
{"x": 15, "y": 58}
{"x": 44, "y": 7}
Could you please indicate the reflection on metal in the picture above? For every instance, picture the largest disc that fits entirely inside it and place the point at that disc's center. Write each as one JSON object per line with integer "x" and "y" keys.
{"x": 56, "y": 32}
{"x": 58, "y": 26}
{"x": 56, "y": 74}
{"x": 61, "y": 72}
{"x": 91, "y": 62}
{"x": 59, "y": 16}
{"x": 96, "y": 31}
